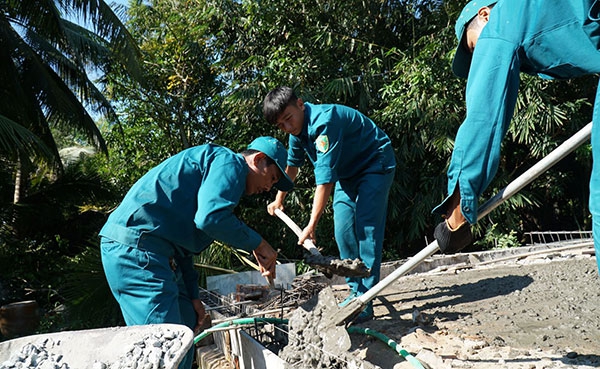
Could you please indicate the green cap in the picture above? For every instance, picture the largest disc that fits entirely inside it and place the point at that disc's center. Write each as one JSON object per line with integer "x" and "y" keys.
{"x": 275, "y": 150}
{"x": 462, "y": 57}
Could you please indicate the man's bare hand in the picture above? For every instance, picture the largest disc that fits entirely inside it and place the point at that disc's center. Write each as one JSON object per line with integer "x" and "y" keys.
{"x": 266, "y": 257}
{"x": 308, "y": 233}
{"x": 274, "y": 205}
{"x": 201, "y": 316}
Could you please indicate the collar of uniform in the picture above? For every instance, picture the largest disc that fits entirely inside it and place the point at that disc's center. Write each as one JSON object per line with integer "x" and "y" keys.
{"x": 304, "y": 133}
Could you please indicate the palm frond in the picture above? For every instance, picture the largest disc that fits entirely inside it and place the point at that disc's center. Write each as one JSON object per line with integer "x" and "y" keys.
{"x": 90, "y": 51}
{"x": 15, "y": 138}
{"x": 46, "y": 61}
{"x": 41, "y": 16}
{"x": 54, "y": 96}
{"x": 108, "y": 26}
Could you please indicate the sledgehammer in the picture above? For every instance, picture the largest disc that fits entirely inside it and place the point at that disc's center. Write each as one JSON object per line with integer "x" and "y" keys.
{"x": 326, "y": 264}
{"x": 349, "y": 312}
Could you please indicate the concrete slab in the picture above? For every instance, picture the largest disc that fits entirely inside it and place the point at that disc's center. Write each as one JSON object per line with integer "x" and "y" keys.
{"x": 467, "y": 259}
{"x": 254, "y": 355}
{"x": 452, "y": 294}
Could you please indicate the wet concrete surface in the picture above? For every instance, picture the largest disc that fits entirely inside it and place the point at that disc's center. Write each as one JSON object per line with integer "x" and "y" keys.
{"x": 314, "y": 343}
{"x": 331, "y": 266}
{"x": 534, "y": 311}
{"x": 514, "y": 309}
{"x": 539, "y": 311}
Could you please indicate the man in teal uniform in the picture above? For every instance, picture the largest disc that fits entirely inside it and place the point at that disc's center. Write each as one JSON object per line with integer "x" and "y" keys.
{"x": 497, "y": 41}
{"x": 349, "y": 152}
{"x": 175, "y": 211}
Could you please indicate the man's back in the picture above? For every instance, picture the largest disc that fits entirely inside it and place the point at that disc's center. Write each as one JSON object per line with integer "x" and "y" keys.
{"x": 553, "y": 38}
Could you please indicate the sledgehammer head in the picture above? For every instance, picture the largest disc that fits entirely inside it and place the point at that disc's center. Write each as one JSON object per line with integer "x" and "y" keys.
{"x": 348, "y": 313}
{"x": 342, "y": 267}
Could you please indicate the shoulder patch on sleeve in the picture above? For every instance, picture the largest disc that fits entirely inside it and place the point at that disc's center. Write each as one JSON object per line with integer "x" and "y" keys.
{"x": 322, "y": 143}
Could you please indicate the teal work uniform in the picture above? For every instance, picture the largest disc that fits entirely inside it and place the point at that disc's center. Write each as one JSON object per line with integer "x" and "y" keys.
{"x": 174, "y": 211}
{"x": 551, "y": 38}
{"x": 348, "y": 149}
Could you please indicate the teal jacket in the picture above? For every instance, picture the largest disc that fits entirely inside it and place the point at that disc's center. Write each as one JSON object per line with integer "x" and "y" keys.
{"x": 341, "y": 143}
{"x": 187, "y": 201}
{"x": 549, "y": 38}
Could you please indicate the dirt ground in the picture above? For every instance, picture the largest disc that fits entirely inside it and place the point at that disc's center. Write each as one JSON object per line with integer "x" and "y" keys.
{"x": 533, "y": 312}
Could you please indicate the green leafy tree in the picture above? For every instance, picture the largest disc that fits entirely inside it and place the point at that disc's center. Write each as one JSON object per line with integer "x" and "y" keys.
{"x": 47, "y": 86}
{"x": 178, "y": 105}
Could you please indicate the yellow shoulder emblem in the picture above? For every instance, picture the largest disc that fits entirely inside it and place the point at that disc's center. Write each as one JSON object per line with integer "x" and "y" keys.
{"x": 322, "y": 143}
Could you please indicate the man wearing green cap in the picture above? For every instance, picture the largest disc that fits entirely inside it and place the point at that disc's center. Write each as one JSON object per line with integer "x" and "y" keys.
{"x": 177, "y": 210}
{"x": 497, "y": 41}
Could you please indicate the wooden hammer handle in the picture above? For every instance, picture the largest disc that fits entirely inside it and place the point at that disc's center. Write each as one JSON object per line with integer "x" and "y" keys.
{"x": 308, "y": 244}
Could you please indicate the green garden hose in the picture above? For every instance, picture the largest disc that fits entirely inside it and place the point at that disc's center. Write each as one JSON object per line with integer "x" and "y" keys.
{"x": 244, "y": 321}
{"x": 241, "y": 321}
{"x": 385, "y": 339}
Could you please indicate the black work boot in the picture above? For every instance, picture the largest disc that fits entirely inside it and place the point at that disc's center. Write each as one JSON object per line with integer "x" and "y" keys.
{"x": 452, "y": 240}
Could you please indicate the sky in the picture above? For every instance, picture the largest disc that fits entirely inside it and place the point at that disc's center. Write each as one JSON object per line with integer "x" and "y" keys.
{"x": 114, "y": 3}
{"x": 119, "y": 2}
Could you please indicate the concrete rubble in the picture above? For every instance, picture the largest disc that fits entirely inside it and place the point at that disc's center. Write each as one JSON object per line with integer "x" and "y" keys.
{"x": 330, "y": 266}
{"x": 314, "y": 343}
{"x": 160, "y": 346}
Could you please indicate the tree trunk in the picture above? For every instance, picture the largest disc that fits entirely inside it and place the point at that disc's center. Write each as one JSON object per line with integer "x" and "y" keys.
{"x": 18, "y": 181}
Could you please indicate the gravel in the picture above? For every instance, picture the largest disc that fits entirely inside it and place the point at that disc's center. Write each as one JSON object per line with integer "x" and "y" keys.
{"x": 160, "y": 348}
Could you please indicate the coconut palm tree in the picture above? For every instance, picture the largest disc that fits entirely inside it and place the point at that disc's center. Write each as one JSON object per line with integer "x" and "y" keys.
{"x": 50, "y": 51}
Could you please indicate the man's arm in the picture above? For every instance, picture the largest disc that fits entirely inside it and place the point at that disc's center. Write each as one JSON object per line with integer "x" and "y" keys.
{"x": 217, "y": 198}
{"x": 266, "y": 257}
{"x": 292, "y": 172}
{"x": 322, "y": 193}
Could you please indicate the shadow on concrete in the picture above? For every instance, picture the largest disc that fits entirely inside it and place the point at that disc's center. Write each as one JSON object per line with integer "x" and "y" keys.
{"x": 579, "y": 360}
{"x": 451, "y": 296}
{"x": 592, "y": 361}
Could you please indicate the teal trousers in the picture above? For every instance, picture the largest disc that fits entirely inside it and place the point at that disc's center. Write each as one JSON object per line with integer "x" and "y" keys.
{"x": 594, "y": 203}
{"x": 359, "y": 214}
{"x": 147, "y": 288}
